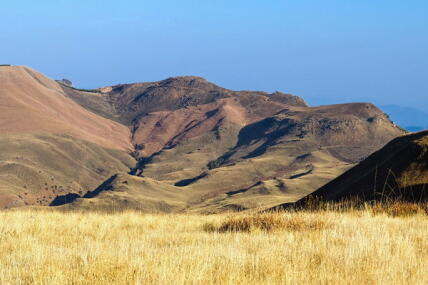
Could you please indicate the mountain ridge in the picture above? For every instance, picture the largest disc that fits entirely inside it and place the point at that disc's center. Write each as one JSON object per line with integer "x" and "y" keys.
{"x": 211, "y": 149}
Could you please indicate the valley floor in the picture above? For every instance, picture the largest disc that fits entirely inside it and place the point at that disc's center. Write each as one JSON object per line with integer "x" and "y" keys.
{"x": 358, "y": 247}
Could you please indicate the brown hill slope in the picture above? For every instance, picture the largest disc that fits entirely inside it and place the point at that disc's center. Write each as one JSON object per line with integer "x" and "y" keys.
{"x": 137, "y": 100}
{"x": 36, "y": 168}
{"x": 32, "y": 103}
{"x": 51, "y": 146}
{"x": 397, "y": 171}
{"x": 180, "y": 108}
{"x": 165, "y": 112}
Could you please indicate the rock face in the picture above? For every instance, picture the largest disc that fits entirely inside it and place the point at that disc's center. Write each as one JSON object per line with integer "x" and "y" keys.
{"x": 397, "y": 171}
{"x": 199, "y": 147}
{"x": 65, "y": 82}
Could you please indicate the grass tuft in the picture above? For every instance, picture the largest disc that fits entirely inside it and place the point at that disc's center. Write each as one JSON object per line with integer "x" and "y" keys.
{"x": 268, "y": 222}
{"x": 392, "y": 208}
{"x": 400, "y": 209}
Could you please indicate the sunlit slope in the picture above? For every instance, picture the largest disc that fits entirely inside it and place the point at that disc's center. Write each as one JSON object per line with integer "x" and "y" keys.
{"x": 32, "y": 103}
{"x": 36, "y": 168}
{"x": 51, "y": 146}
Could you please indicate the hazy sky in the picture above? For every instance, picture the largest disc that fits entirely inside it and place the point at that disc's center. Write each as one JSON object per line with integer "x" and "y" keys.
{"x": 325, "y": 51}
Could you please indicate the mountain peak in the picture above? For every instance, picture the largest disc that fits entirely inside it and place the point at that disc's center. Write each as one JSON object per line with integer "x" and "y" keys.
{"x": 187, "y": 81}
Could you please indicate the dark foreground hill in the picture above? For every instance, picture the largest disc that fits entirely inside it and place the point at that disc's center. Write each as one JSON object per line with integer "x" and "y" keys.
{"x": 199, "y": 147}
{"x": 399, "y": 171}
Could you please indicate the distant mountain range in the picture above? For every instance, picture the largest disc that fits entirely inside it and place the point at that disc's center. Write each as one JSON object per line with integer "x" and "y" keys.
{"x": 411, "y": 119}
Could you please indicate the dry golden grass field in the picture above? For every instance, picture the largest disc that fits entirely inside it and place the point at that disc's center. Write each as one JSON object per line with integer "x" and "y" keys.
{"x": 369, "y": 246}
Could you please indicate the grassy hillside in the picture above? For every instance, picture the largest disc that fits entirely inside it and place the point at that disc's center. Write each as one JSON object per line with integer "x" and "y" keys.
{"x": 36, "y": 168}
{"x": 357, "y": 247}
{"x": 125, "y": 191}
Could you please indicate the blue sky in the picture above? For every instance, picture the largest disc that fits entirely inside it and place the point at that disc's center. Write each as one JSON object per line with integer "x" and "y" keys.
{"x": 327, "y": 51}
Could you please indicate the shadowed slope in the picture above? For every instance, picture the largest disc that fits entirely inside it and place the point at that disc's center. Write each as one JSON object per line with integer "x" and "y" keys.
{"x": 399, "y": 171}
